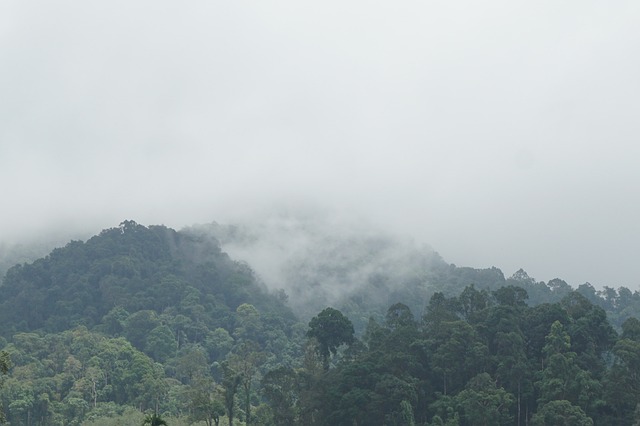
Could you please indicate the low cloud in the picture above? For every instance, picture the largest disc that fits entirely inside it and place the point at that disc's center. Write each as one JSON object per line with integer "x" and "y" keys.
{"x": 499, "y": 133}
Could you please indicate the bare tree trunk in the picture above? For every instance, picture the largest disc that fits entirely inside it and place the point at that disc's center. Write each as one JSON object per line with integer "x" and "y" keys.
{"x": 444, "y": 381}
{"x": 519, "y": 403}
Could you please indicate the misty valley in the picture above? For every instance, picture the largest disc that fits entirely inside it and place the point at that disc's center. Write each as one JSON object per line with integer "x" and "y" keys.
{"x": 303, "y": 325}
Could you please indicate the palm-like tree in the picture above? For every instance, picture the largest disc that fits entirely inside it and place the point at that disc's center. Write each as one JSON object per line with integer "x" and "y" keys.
{"x": 153, "y": 420}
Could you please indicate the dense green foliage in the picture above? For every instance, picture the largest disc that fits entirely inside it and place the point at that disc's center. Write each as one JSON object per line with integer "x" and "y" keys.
{"x": 132, "y": 268}
{"x": 146, "y": 324}
{"x": 135, "y": 316}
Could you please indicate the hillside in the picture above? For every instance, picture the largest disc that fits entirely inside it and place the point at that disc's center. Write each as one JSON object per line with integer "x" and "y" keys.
{"x": 134, "y": 268}
{"x": 144, "y": 319}
{"x": 362, "y": 270}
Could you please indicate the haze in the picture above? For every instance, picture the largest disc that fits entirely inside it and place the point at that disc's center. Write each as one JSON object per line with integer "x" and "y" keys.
{"x": 500, "y": 133}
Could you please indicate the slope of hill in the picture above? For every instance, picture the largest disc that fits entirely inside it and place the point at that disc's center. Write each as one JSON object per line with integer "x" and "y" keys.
{"x": 166, "y": 321}
{"x": 362, "y": 271}
{"x": 132, "y": 268}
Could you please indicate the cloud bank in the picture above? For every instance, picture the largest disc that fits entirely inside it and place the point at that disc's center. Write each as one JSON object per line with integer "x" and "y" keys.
{"x": 499, "y": 133}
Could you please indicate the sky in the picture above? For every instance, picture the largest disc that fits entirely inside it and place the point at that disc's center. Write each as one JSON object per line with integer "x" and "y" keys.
{"x": 500, "y": 133}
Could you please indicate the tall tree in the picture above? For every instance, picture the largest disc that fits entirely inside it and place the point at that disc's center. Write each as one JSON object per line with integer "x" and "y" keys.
{"x": 245, "y": 360}
{"x": 230, "y": 382}
{"x": 154, "y": 420}
{"x": 458, "y": 354}
{"x": 512, "y": 367}
{"x": 472, "y": 301}
{"x": 331, "y": 329}
{"x": 622, "y": 385}
{"x": 439, "y": 310}
{"x": 562, "y": 378}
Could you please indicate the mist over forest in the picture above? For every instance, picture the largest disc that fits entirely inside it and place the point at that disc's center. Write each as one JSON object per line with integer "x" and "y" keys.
{"x": 317, "y": 259}
{"x": 340, "y": 213}
{"x": 499, "y": 134}
{"x": 301, "y": 321}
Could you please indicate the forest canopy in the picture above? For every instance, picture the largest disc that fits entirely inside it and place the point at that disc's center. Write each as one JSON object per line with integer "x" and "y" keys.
{"x": 151, "y": 321}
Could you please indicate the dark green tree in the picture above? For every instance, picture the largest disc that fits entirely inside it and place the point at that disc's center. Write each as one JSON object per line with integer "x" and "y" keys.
{"x": 472, "y": 301}
{"x": 562, "y": 378}
{"x": 231, "y": 379}
{"x": 483, "y": 403}
{"x": 560, "y": 413}
{"x": 331, "y": 329}
{"x": 511, "y": 296}
{"x": 439, "y": 310}
{"x": 622, "y": 384}
{"x": 538, "y": 322}
{"x": 399, "y": 315}
{"x": 631, "y": 329}
{"x": 458, "y": 354}
{"x": 245, "y": 360}
{"x": 161, "y": 343}
{"x": 154, "y": 420}
{"x": 512, "y": 367}
{"x": 592, "y": 337}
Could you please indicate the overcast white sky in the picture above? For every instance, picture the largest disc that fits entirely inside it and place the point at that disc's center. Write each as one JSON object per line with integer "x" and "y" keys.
{"x": 499, "y": 132}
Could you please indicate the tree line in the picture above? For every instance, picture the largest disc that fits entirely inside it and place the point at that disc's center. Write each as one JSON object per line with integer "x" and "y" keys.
{"x": 477, "y": 359}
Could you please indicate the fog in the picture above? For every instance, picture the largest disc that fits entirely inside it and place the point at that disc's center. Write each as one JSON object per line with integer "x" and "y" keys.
{"x": 499, "y": 133}
{"x": 320, "y": 260}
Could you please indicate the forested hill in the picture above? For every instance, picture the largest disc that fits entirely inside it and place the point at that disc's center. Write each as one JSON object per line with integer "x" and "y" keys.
{"x": 136, "y": 316}
{"x": 131, "y": 269}
{"x": 362, "y": 271}
{"x": 310, "y": 264}
{"x": 151, "y": 320}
